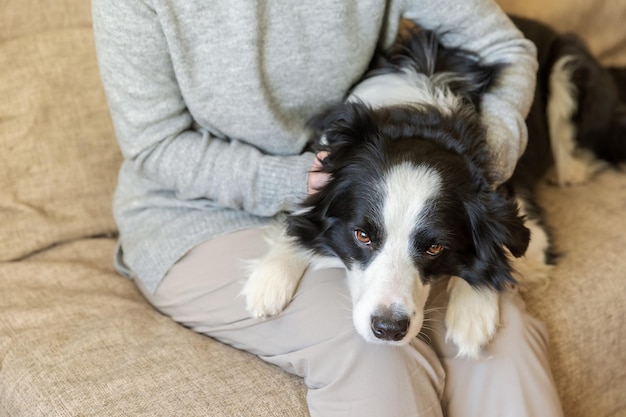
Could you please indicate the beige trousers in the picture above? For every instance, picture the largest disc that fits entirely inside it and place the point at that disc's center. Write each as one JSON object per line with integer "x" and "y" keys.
{"x": 315, "y": 339}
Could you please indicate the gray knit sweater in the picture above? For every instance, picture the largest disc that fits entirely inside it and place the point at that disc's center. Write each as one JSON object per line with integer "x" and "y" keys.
{"x": 209, "y": 100}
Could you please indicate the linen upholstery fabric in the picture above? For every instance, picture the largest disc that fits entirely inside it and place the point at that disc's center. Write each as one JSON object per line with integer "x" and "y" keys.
{"x": 584, "y": 306}
{"x": 78, "y": 339}
{"x": 599, "y": 22}
{"x": 26, "y": 17}
{"x": 58, "y": 159}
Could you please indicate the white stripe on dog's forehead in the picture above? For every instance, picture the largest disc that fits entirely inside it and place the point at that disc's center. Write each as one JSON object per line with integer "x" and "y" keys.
{"x": 408, "y": 188}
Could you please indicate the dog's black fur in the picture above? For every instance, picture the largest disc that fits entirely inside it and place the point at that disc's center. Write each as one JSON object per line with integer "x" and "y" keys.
{"x": 411, "y": 196}
{"x": 601, "y": 96}
{"x": 474, "y": 221}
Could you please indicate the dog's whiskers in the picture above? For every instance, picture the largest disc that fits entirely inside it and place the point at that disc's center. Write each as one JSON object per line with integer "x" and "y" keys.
{"x": 424, "y": 337}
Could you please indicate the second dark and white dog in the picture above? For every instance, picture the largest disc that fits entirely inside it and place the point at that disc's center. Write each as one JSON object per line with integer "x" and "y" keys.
{"x": 410, "y": 199}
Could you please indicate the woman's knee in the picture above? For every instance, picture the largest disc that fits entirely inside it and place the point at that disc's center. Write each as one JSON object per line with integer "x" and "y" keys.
{"x": 518, "y": 328}
{"x": 346, "y": 373}
{"x": 204, "y": 285}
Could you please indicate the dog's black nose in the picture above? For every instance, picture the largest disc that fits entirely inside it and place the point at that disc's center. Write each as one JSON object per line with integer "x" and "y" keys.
{"x": 390, "y": 328}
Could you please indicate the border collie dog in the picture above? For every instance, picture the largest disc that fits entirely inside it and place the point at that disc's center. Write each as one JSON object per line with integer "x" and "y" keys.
{"x": 411, "y": 200}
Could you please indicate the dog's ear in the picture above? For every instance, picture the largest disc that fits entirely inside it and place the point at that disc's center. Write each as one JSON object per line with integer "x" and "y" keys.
{"x": 340, "y": 129}
{"x": 495, "y": 224}
{"x": 342, "y": 126}
{"x": 311, "y": 224}
{"x": 324, "y": 120}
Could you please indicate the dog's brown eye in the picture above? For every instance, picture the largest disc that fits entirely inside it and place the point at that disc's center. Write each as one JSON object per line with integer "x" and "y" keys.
{"x": 434, "y": 250}
{"x": 362, "y": 237}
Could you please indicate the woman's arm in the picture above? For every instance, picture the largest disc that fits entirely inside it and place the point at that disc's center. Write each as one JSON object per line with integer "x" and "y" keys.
{"x": 157, "y": 133}
{"x": 482, "y": 27}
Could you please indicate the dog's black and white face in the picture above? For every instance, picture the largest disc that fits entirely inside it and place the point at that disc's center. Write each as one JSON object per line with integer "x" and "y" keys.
{"x": 404, "y": 207}
{"x": 409, "y": 200}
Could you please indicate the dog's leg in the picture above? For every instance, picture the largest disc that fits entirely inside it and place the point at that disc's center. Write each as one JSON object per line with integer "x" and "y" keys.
{"x": 472, "y": 317}
{"x": 534, "y": 268}
{"x": 274, "y": 278}
{"x": 572, "y": 166}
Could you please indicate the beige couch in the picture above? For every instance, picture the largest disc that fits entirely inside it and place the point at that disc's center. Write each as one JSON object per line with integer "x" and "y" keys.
{"x": 76, "y": 339}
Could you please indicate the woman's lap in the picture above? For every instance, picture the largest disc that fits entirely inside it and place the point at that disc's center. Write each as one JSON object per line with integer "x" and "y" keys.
{"x": 314, "y": 337}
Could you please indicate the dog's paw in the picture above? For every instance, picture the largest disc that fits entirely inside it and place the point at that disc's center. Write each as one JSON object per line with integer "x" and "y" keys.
{"x": 472, "y": 318}
{"x": 270, "y": 288}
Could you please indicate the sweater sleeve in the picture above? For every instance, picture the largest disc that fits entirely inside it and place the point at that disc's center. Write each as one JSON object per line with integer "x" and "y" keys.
{"x": 156, "y": 131}
{"x": 482, "y": 27}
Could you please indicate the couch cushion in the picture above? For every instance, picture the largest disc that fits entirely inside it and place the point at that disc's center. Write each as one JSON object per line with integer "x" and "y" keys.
{"x": 600, "y": 23}
{"x": 77, "y": 339}
{"x": 26, "y": 17}
{"x": 583, "y": 307}
{"x": 59, "y": 160}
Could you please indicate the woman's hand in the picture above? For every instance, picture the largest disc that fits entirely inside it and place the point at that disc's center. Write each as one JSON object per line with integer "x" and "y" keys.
{"x": 317, "y": 179}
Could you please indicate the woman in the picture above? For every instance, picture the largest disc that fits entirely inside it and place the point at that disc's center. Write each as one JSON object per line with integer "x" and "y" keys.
{"x": 210, "y": 101}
